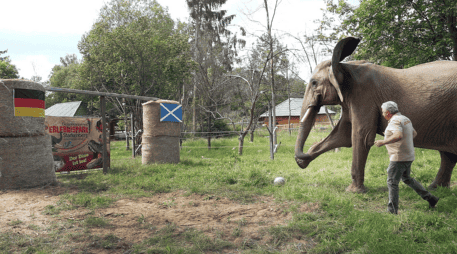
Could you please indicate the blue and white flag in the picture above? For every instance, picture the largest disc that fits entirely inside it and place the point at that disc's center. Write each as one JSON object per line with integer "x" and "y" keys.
{"x": 170, "y": 112}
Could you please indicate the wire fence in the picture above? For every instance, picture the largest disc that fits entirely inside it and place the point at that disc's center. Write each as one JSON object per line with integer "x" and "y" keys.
{"x": 261, "y": 132}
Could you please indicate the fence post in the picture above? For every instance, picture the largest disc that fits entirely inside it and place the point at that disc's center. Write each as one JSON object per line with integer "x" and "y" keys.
{"x": 132, "y": 128}
{"x": 105, "y": 155}
{"x": 125, "y": 129}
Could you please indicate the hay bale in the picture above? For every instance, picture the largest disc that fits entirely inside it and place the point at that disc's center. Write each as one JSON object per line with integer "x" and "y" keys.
{"x": 152, "y": 126}
{"x": 26, "y": 162}
{"x": 163, "y": 149}
{"x": 160, "y": 140}
{"x": 17, "y": 126}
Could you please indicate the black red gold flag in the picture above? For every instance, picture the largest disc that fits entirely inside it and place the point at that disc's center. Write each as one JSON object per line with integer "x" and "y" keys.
{"x": 29, "y": 102}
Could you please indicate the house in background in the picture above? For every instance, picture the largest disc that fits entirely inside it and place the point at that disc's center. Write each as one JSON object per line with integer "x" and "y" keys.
{"x": 68, "y": 109}
{"x": 282, "y": 113}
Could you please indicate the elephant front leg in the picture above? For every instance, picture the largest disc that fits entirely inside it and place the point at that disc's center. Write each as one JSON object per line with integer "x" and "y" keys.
{"x": 443, "y": 178}
{"x": 360, "y": 148}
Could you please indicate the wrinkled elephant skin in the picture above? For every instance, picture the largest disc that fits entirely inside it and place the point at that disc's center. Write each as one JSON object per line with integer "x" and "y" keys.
{"x": 426, "y": 94}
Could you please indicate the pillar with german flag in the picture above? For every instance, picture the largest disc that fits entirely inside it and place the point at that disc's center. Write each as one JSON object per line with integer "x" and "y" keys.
{"x": 29, "y": 102}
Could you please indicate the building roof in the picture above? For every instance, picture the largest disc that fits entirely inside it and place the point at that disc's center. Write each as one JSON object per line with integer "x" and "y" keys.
{"x": 63, "y": 109}
{"x": 282, "y": 109}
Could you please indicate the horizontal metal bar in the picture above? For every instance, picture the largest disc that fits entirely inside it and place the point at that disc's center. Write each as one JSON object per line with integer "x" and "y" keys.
{"x": 68, "y": 90}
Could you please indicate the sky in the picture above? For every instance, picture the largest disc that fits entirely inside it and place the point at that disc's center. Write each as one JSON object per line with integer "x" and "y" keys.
{"x": 38, "y": 33}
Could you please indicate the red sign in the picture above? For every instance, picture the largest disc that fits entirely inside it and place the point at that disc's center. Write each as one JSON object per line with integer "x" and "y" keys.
{"x": 76, "y": 142}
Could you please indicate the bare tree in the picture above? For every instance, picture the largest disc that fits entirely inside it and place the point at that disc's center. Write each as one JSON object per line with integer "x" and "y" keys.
{"x": 269, "y": 28}
{"x": 254, "y": 95}
{"x": 270, "y": 12}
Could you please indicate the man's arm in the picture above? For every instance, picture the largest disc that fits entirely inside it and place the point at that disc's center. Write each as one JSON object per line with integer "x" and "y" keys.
{"x": 396, "y": 136}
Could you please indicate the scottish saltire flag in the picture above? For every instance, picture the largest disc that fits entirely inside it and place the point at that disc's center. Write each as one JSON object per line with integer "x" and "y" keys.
{"x": 29, "y": 102}
{"x": 170, "y": 112}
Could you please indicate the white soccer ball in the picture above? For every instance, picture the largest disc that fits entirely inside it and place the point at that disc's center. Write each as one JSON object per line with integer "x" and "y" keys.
{"x": 279, "y": 181}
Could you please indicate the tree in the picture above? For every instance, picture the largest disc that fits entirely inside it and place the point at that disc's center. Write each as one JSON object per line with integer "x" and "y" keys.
{"x": 271, "y": 42}
{"x": 67, "y": 75}
{"x": 134, "y": 48}
{"x": 7, "y": 70}
{"x": 270, "y": 11}
{"x": 254, "y": 82}
{"x": 214, "y": 51}
{"x": 249, "y": 104}
{"x": 401, "y": 33}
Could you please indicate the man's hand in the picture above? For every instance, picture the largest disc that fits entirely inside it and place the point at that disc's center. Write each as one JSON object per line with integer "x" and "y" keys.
{"x": 396, "y": 136}
{"x": 379, "y": 143}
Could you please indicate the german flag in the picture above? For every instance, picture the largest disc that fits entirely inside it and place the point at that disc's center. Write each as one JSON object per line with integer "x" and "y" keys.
{"x": 29, "y": 103}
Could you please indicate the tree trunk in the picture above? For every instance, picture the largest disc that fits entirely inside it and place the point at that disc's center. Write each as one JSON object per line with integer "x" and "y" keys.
{"x": 243, "y": 133}
{"x": 270, "y": 124}
{"x": 288, "y": 96}
{"x": 194, "y": 101}
{"x": 194, "y": 106}
{"x": 329, "y": 118}
{"x": 454, "y": 37}
{"x": 241, "y": 143}
{"x": 252, "y": 132}
{"x": 209, "y": 130}
{"x": 273, "y": 97}
{"x": 273, "y": 104}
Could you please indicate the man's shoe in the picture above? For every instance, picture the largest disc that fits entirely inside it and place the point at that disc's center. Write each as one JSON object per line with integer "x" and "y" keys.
{"x": 391, "y": 211}
{"x": 432, "y": 201}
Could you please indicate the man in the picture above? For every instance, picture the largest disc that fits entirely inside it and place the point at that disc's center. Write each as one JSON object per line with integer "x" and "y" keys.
{"x": 398, "y": 138}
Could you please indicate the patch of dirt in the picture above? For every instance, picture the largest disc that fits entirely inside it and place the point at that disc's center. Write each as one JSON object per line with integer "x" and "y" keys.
{"x": 27, "y": 206}
{"x": 136, "y": 220}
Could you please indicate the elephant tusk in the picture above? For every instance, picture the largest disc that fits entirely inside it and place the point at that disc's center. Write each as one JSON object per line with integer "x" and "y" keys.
{"x": 304, "y": 116}
{"x": 306, "y": 113}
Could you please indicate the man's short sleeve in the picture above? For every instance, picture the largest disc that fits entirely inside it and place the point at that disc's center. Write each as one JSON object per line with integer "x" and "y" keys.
{"x": 396, "y": 125}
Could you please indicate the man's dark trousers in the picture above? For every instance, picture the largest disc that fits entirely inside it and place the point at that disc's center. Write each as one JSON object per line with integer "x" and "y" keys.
{"x": 401, "y": 170}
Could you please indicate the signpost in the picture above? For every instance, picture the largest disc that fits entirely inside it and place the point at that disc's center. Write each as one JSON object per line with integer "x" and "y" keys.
{"x": 102, "y": 106}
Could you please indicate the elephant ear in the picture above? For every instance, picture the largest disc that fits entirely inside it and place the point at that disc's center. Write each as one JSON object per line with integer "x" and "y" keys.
{"x": 344, "y": 48}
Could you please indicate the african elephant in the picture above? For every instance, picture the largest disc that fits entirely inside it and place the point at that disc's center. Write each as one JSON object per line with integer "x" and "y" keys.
{"x": 426, "y": 93}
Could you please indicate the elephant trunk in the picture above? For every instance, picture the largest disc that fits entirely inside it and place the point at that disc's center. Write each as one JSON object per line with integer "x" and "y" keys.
{"x": 306, "y": 123}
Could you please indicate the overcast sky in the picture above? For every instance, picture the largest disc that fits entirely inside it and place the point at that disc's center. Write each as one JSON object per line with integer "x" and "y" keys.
{"x": 38, "y": 33}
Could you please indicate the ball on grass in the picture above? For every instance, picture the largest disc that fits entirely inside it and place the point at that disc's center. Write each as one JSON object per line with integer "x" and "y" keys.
{"x": 279, "y": 181}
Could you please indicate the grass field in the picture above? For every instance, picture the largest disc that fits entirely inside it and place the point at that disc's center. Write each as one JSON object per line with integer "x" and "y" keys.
{"x": 343, "y": 222}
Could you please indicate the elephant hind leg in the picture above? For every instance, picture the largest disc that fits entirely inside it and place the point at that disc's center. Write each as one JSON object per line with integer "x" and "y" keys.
{"x": 443, "y": 178}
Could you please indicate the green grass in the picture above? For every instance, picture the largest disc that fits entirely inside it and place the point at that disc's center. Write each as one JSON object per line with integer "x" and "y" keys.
{"x": 344, "y": 223}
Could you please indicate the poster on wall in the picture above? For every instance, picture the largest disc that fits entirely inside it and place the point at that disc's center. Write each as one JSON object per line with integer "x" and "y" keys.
{"x": 76, "y": 142}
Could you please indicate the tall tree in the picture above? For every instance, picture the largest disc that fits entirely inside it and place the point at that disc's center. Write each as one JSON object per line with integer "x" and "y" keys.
{"x": 135, "y": 48}
{"x": 247, "y": 98}
{"x": 270, "y": 11}
{"x": 270, "y": 15}
{"x": 209, "y": 25}
{"x": 214, "y": 51}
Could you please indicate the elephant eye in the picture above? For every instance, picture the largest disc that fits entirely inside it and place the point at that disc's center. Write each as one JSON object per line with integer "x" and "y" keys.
{"x": 314, "y": 83}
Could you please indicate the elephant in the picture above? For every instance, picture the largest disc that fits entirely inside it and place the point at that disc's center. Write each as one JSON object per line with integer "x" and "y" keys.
{"x": 426, "y": 94}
